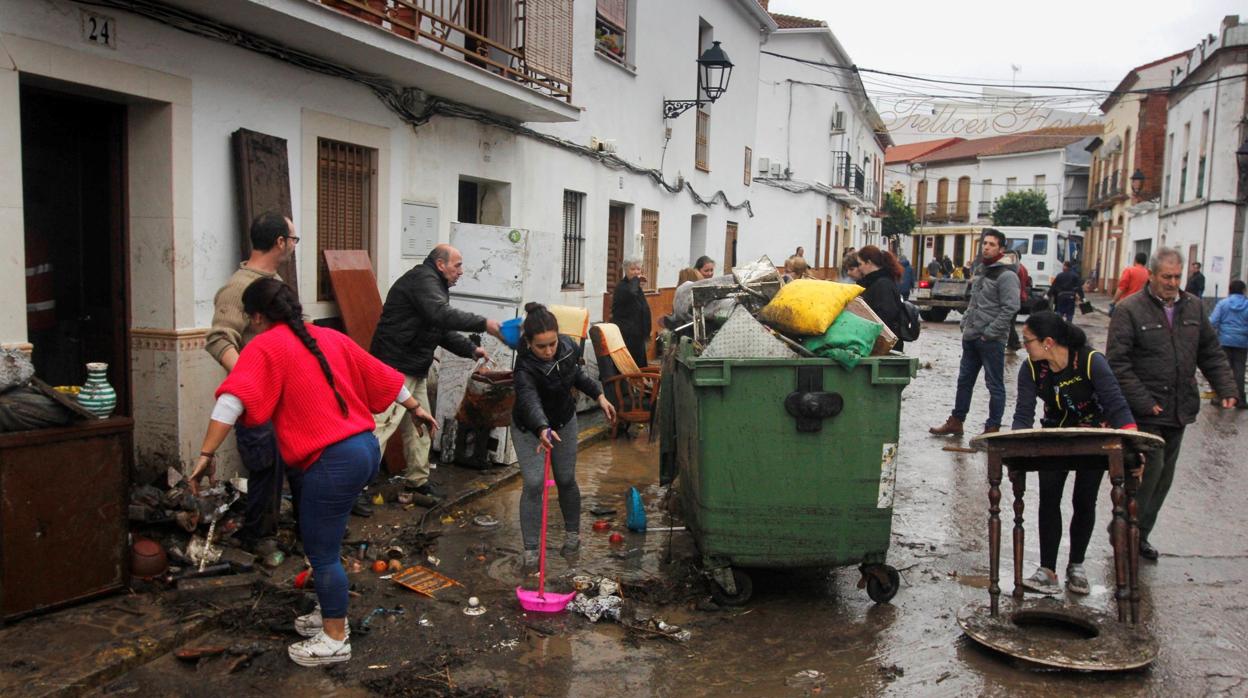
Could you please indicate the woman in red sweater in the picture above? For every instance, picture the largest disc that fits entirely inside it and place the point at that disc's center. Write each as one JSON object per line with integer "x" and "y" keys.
{"x": 320, "y": 390}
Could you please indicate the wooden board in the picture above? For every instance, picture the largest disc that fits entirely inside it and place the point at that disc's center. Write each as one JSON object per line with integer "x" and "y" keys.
{"x": 262, "y": 181}
{"x": 1138, "y": 440}
{"x": 359, "y": 302}
{"x": 355, "y": 288}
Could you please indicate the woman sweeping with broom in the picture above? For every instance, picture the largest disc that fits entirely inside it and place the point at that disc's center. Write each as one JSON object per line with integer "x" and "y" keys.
{"x": 547, "y": 369}
{"x": 320, "y": 389}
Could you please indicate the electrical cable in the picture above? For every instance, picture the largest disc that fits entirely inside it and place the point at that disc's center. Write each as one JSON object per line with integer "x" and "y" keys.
{"x": 857, "y": 69}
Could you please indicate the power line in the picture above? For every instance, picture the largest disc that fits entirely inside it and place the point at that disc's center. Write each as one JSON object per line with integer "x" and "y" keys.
{"x": 1072, "y": 88}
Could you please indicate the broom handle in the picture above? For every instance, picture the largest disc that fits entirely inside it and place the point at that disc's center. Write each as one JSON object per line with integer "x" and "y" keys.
{"x": 541, "y": 565}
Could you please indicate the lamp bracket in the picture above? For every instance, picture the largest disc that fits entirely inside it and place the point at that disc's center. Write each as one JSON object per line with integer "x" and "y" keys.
{"x": 673, "y": 108}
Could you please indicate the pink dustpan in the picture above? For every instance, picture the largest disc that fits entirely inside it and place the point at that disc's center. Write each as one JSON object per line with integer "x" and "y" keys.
{"x": 539, "y": 601}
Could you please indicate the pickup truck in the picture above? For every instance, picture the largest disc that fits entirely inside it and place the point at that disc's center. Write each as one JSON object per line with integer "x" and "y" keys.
{"x": 936, "y": 297}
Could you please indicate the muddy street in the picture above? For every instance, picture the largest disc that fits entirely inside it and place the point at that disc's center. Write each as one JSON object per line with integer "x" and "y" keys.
{"x": 813, "y": 621}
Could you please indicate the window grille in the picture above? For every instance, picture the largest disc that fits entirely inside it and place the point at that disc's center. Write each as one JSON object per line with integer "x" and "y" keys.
{"x": 573, "y": 239}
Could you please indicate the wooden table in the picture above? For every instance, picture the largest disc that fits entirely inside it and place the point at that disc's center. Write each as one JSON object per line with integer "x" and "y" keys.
{"x": 1025, "y": 450}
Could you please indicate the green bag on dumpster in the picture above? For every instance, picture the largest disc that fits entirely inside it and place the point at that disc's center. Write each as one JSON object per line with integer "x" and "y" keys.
{"x": 848, "y": 340}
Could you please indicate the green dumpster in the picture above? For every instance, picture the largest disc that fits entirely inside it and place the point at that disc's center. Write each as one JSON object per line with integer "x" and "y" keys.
{"x": 785, "y": 462}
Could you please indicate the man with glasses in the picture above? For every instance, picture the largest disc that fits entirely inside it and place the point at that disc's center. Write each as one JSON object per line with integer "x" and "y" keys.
{"x": 1158, "y": 337}
{"x": 273, "y": 242}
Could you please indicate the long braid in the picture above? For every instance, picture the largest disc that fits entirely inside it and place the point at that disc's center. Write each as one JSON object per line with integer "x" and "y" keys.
{"x": 277, "y": 302}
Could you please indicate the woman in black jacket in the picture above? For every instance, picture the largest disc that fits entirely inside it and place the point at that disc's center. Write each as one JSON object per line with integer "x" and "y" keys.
{"x": 630, "y": 311}
{"x": 880, "y": 273}
{"x": 1078, "y": 389}
{"x": 548, "y": 367}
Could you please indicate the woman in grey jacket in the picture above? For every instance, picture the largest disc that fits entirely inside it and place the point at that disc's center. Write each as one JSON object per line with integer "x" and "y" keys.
{"x": 547, "y": 370}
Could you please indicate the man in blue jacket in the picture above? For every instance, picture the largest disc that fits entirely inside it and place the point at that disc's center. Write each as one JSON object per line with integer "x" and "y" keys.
{"x": 985, "y": 327}
{"x": 1230, "y": 319}
{"x": 907, "y": 277}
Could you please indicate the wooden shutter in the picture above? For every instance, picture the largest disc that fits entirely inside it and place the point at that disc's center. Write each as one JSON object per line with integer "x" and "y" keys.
{"x": 702, "y": 142}
{"x": 548, "y": 37}
{"x": 650, "y": 246}
{"x": 614, "y": 11}
{"x": 344, "y": 204}
{"x": 964, "y": 198}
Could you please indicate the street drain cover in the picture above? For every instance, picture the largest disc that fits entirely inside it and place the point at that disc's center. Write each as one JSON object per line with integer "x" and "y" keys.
{"x": 1064, "y": 636}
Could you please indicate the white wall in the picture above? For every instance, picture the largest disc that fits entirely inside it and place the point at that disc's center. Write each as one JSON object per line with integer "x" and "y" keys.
{"x": 1208, "y": 221}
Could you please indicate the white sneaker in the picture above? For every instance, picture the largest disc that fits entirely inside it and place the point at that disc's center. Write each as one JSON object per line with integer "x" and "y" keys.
{"x": 1077, "y": 579}
{"x": 309, "y": 625}
{"x": 1043, "y": 581}
{"x": 320, "y": 649}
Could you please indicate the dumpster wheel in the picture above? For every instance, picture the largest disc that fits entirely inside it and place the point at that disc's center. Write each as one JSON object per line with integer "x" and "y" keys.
{"x": 882, "y": 582}
{"x": 745, "y": 589}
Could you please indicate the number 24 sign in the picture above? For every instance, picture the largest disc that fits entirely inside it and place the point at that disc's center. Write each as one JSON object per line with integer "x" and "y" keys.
{"x": 99, "y": 29}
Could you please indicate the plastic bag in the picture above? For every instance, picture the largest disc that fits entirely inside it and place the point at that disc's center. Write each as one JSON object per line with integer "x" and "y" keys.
{"x": 808, "y": 307}
{"x": 848, "y": 340}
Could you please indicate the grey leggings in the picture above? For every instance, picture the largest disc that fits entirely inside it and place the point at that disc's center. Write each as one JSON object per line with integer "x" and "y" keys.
{"x": 532, "y": 469}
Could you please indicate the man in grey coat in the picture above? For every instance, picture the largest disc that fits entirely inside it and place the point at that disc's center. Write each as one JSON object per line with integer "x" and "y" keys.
{"x": 1157, "y": 339}
{"x": 985, "y": 328}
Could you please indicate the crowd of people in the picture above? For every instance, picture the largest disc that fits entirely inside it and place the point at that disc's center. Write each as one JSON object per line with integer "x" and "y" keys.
{"x": 310, "y": 406}
{"x": 1159, "y": 336}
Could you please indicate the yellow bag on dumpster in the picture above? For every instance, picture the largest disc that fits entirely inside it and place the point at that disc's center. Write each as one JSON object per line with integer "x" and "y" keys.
{"x": 808, "y": 307}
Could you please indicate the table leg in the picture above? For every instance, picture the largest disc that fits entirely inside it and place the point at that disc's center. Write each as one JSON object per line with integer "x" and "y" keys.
{"x": 1018, "y": 478}
{"x": 1119, "y": 531}
{"x": 994, "y": 530}
{"x": 1133, "y": 548}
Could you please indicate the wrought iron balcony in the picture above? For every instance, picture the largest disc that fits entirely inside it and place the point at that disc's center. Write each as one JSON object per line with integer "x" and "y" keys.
{"x": 498, "y": 36}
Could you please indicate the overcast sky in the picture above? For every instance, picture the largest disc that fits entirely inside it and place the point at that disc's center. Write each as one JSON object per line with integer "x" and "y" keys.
{"x": 1057, "y": 40}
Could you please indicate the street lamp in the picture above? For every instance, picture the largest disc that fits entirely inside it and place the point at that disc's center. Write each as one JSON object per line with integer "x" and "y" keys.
{"x": 714, "y": 71}
{"x": 1137, "y": 181}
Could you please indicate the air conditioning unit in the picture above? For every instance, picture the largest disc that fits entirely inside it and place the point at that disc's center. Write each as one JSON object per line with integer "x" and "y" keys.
{"x": 764, "y": 165}
{"x": 838, "y": 122}
{"x": 776, "y": 169}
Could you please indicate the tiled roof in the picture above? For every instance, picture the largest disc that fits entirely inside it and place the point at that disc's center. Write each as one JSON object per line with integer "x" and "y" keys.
{"x": 910, "y": 151}
{"x": 795, "y": 22}
{"x": 1046, "y": 139}
{"x": 1026, "y": 142}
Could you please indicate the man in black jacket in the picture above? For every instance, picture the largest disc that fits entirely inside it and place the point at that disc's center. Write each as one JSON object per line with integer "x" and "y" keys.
{"x": 1157, "y": 339}
{"x": 1195, "y": 280}
{"x": 416, "y": 319}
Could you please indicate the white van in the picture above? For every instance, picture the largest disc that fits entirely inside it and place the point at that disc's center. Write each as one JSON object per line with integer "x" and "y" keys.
{"x": 1043, "y": 250}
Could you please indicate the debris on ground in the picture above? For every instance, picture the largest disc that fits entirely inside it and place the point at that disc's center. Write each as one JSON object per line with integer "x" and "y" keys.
{"x": 595, "y": 607}
{"x": 810, "y": 679}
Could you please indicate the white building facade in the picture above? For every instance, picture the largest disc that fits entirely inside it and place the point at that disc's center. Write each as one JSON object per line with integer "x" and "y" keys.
{"x": 819, "y": 153}
{"x": 955, "y": 186}
{"x": 476, "y": 125}
{"x": 1202, "y": 200}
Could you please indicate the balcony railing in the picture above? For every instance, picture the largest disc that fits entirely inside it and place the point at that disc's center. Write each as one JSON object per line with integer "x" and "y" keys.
{"x": 871, "y": 192}
{"x": 1073, "y": 205}
{"x": 528, "y": 41}
{"x": 985, "y": 209}
{"x": 847, "y": 175}
{"x": 948, "y": 212}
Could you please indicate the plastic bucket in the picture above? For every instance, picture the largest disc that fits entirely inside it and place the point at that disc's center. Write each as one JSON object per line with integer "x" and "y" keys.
{"x": 511, "y": 332}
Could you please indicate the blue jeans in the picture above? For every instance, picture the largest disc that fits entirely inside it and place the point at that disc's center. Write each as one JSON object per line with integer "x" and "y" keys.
{"x": 257, "y": 447}
{"x": 327, "y": 491}
{"x": 988, "y": 354}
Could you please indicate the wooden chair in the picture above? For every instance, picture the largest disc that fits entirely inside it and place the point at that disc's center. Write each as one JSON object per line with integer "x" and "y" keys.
{"x": 631, "y": 390}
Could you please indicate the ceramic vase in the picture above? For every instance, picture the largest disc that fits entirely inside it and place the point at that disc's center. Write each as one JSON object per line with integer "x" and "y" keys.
{"x": 96, "y": 395}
